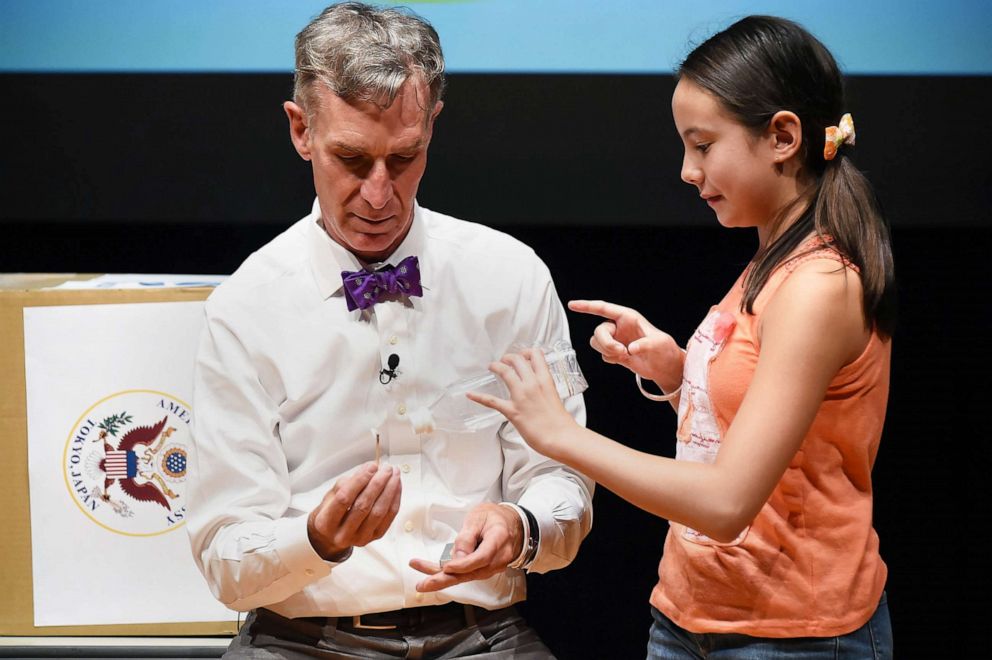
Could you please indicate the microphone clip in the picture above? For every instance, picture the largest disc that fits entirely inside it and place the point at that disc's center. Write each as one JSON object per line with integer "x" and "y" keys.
{"x": 391, "y": 371}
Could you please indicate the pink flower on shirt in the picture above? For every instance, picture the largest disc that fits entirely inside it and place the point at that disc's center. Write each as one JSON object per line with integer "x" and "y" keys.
{"x": 723, "y": 327}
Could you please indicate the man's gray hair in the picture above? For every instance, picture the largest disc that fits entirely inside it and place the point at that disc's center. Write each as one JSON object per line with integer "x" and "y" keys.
{"x": 365, "y": 53}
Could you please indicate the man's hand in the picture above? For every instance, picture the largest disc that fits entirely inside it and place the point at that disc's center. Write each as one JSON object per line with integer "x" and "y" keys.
{"x": 490, "y": 539}
{"x": 357, "y": 510}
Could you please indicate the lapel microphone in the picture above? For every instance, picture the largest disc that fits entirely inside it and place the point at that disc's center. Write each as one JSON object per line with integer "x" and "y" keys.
{"x": 389, "y": 372}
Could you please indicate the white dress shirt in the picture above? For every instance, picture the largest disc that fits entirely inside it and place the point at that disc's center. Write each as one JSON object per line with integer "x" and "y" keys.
{"x": 287, "y": 391}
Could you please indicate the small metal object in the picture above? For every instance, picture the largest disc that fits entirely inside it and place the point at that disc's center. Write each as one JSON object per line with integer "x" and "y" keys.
{"x": 356, "y": 622}
{"x": 446, "y": 554}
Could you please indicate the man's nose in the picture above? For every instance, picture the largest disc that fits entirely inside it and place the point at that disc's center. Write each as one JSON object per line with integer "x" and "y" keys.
{"x": 377, "y": 188}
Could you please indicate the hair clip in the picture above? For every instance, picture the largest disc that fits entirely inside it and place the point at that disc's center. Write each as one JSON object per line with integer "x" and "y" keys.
{"x": 838, "y": 135}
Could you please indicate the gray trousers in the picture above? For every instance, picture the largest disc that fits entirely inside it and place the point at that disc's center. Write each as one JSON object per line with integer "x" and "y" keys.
{"x": 478, "y": 634}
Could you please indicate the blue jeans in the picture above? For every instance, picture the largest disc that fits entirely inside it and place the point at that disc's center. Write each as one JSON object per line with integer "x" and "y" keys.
{"x": 872, "y": 640}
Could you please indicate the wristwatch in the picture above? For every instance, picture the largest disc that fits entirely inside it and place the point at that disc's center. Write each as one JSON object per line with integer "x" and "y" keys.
{"x": 532, "y": 537}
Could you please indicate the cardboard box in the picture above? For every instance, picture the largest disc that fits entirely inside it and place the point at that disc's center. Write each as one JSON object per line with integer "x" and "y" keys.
{"x": 17, "y": 292}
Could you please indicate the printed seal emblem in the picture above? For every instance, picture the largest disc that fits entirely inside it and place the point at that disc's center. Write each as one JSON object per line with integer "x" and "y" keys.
{"x": 125, "y": 462}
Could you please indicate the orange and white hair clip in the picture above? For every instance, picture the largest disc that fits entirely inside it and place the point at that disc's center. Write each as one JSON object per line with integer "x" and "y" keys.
{"x": 838, "y": 135}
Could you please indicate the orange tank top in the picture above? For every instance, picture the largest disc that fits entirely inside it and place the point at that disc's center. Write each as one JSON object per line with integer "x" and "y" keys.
{"x": 808, "y": 565}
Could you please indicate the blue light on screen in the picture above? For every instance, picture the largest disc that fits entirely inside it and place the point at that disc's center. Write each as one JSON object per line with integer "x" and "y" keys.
{"x": 894, "y": 37}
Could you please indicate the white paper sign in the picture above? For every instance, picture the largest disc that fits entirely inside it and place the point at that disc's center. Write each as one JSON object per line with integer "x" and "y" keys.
{"x": 108, "y": 391}
{"x": 143, "y": 281}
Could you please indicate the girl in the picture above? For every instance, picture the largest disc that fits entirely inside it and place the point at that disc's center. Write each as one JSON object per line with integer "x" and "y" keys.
{"x": 780, "y": 392}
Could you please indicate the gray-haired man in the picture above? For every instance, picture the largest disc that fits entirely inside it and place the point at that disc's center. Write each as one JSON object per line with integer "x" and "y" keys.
{"x": 314, "y": 502}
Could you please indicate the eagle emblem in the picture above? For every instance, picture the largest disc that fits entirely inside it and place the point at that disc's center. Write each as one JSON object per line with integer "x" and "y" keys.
{"x": 130, "y": 462}
{"x": 126, "y": 462}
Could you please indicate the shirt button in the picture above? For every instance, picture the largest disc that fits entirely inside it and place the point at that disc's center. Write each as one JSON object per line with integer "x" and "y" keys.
{"x": 393, "y": 340}
{"x": 408, "y": 525}
{"x": 402, "y": 409}
{"x": 405, "y": 467}
{"x": 420, "y": 597}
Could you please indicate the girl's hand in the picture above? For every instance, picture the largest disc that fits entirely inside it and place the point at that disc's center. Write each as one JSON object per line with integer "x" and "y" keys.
{"x": 628, "y": 339}
{"x": 534, "y": 407}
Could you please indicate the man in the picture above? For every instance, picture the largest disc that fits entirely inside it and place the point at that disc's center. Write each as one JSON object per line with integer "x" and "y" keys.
{"x": 314, "y": 503}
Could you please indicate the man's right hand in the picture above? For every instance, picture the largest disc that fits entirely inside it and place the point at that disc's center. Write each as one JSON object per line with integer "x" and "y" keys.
{"x": 357, "y": 510}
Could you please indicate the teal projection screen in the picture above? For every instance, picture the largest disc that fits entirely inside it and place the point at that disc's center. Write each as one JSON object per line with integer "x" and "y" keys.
{"x": 875, "y": 37}
{"x": 557, "y": 112}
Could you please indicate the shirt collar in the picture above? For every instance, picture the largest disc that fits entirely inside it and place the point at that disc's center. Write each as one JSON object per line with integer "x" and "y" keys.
{"x": 328, "y": 258}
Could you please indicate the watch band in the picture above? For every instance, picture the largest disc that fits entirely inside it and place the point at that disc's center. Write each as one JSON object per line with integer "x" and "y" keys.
{"x": 532, "y": 535}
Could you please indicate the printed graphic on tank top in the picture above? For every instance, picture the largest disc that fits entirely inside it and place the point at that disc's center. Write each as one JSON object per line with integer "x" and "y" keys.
{"x": 698, "y": 432}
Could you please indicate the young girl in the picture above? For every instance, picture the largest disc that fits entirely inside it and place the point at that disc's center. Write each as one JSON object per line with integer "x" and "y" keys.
{"x": 781, "y": 391}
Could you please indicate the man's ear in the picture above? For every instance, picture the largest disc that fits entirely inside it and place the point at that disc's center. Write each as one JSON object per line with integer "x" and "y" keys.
{"x": 299, "y": 130}
{"x": 785, "y": 131}
{"x": 433, "y": 116}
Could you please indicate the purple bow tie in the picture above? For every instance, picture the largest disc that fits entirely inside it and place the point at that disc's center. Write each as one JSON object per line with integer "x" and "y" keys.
{"x": 364, "y": 288}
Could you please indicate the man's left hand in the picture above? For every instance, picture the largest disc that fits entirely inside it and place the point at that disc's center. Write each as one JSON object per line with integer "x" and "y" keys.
{"x": 490, "y": 539}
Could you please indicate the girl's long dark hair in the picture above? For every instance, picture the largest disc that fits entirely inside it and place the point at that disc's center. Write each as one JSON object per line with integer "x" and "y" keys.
{"x": 759, "y": 66}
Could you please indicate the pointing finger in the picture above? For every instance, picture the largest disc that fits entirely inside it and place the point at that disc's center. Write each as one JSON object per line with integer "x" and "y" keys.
{"x": 598, "y": 307}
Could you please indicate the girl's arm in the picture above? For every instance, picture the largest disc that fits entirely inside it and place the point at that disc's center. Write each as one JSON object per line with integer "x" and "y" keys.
{"x": 811, "y": 328}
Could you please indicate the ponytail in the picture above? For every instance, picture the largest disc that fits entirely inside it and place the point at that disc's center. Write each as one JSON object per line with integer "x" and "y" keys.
{"x": 847, "y": 211}
{"x": 843, "y": 211}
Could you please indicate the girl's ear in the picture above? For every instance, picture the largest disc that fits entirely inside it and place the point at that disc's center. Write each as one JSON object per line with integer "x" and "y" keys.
{"x": 786, "y": 133}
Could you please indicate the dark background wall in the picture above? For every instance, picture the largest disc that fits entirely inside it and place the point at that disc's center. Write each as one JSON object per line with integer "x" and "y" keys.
{"x": 190, "y": 173}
